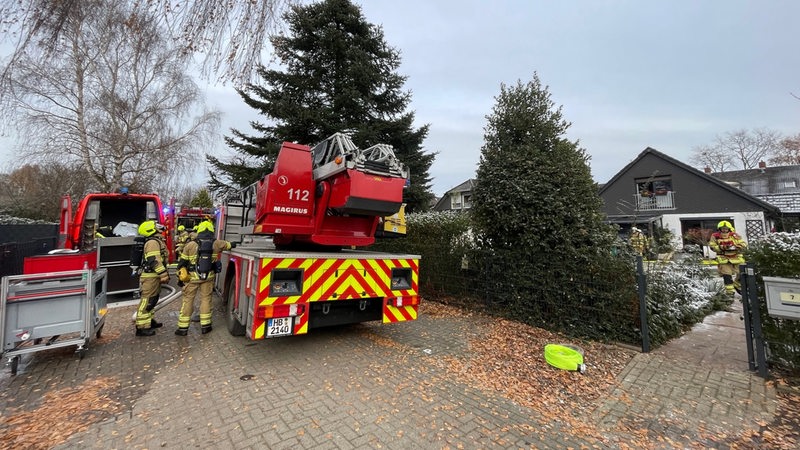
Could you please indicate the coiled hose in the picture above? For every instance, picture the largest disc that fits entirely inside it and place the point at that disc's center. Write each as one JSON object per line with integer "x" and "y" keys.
{"x": 565, "y": 357}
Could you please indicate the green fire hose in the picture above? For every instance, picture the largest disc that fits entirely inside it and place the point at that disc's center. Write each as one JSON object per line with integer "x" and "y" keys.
{"x": 565, "y": 357}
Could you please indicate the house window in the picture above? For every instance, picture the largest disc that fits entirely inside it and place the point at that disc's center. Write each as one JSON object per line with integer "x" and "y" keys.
{"x": 653, "y": 186}
{"x": 455, "y": 200}
{"x": 790, "y": 184}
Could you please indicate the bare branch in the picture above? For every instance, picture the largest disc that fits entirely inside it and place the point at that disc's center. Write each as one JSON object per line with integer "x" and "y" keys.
{"x": 228, "y": 35}
{"x": 741, "y": 149}
{"x": 116, "y": 99}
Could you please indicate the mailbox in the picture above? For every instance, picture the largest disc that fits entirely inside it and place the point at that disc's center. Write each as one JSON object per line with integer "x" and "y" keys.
{"x": 783, "y": 297}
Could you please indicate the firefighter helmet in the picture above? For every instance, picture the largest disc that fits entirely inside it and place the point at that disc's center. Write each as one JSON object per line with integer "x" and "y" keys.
{"x": 181, "y": 227}
{"x": 149, "y": 228}
{"x": 205, "y": 225}
{"x": 725, "y": 224}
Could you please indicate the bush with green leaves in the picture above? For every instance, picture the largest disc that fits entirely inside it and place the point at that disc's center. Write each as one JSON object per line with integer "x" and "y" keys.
{"x": 778, "y": 255}
{"x": 543, "y": 251}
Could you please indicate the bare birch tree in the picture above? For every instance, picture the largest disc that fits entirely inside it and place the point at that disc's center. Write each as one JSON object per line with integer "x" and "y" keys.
{"x": 741, "y": 149}
{"x": 115, "y": 97}
{"x": 713, "y": 157}
{"x": 227, "y": 35}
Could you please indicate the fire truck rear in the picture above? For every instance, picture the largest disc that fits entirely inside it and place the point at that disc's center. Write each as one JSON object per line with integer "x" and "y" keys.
{"x": 100, "y": 235}
{"x": 294, "y": 267}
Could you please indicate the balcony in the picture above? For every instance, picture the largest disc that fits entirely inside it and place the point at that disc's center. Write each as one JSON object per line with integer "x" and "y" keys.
{"x": 655, "y": 202}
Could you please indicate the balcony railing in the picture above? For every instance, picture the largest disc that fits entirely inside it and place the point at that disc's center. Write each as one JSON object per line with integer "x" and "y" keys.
{"x": 655, "y": 202}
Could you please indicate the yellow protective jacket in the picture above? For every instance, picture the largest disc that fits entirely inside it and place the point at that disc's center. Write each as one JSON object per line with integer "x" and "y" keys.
{"x": 728, "y": 247}
{"x": 190, "y": 253}
{"x": 639, "y": 242}
{"x": 155, "y": 253}
{"x": 180, "y": 241}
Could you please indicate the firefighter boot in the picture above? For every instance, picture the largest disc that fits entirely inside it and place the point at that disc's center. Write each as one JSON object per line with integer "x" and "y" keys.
{"x": 728, "y": 280}
{"x": 145, "y": 331}
{"x": 154, "y": 324}
{"x": 181, "y": 331}
{"x": 205, "y": 329}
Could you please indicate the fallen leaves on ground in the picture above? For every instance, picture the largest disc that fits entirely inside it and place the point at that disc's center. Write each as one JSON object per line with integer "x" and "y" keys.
{"x": 783, "y": 432}
{"x": 509, "y": 358}
{"x": 61, "y": 414}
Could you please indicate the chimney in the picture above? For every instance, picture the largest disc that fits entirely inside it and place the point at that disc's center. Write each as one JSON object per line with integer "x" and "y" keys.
{"x": 707, "y": 169}
{"x": 762, "y": 164}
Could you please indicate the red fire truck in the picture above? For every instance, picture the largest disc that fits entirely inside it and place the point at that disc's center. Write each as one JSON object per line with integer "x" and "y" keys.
{"x": 100, "y": 236}
{"x": 295, "y": 267}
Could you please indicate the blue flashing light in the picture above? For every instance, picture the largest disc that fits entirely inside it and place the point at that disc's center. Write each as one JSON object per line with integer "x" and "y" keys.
{"x": 123, "y": 190}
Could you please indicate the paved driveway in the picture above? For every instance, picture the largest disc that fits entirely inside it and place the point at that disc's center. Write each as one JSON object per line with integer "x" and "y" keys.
{"x": 363, "y": 386}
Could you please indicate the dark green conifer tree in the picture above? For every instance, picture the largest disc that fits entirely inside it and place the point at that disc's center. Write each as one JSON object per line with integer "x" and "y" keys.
{"x": 337, "y": 74}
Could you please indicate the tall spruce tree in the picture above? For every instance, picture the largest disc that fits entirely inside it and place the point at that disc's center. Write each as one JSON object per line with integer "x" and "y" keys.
{"x": 340, "y": 75}
{"x": 535, "y": 206}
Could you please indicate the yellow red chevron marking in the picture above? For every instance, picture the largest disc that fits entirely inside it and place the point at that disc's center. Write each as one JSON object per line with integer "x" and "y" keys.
{"x": 331, "y": 279}
{"x": 393, "y": 314}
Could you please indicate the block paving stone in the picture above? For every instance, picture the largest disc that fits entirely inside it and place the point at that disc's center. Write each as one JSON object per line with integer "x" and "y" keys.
{"x": 368, "y": 386}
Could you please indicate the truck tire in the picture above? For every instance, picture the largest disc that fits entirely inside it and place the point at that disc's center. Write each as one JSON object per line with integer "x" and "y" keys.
{"x": 235, "y": 328}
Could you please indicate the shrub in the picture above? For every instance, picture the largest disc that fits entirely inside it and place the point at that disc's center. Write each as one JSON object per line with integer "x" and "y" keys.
{"x": 680, "y": 295}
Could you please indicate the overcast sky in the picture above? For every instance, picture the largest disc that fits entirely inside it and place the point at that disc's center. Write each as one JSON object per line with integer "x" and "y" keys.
{"x": 629, "y": 74}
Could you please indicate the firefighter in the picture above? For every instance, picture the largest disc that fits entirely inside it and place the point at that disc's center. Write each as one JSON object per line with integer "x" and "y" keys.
{"x": 198, "y": 264}
{"x": 154, "y": 273}
{"x": 180, "y": 239}
{"x": 638, "y": 241}
{"x": 728, "y": 246}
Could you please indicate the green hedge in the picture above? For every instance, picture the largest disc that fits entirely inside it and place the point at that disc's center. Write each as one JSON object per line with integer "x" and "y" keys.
{"x": 778, "y": 255}
{"x": 597, "y": 301}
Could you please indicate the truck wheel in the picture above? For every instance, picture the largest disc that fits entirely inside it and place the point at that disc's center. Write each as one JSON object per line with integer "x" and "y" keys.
{"x": 235, "y": 328}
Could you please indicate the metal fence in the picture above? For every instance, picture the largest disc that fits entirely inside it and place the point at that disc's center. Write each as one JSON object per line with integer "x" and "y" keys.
{"x": 771, "y": 342}
{"x": 19, "y": 241}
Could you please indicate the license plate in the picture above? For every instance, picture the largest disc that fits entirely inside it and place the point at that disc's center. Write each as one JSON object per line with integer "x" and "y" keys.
{"x": 279, "y": 326}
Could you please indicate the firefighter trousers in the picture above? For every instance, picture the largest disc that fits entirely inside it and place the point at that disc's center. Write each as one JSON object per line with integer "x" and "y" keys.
{"x": 730, "y": 276}
{"x": 190, "y": 291}
{"x": 149, "y": 290}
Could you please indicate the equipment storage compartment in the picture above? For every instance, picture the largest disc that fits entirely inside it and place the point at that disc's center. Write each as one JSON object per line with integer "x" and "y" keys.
{"x": 51, "y": 310}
